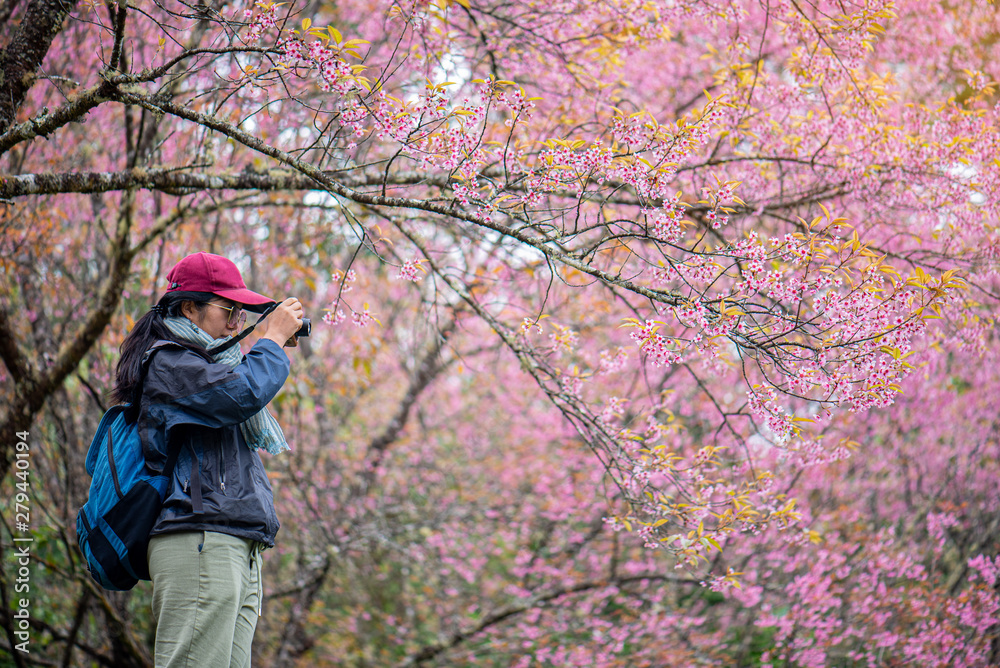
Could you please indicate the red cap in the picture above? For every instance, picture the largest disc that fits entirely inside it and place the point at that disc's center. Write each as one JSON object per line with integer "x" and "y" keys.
{"x": 205, "y": 272}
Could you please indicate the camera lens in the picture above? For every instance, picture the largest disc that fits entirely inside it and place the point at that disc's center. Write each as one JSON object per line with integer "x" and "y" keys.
{"x": 305, "y": 329}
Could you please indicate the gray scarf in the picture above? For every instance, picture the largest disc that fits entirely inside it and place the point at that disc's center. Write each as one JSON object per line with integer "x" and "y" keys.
{"x": 259, "y": 431}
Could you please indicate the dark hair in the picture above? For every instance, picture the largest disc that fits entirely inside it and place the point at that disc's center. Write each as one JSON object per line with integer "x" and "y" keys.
{"x": 149, "y": 329}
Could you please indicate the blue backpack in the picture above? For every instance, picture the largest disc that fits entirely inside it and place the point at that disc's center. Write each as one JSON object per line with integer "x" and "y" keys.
{"x": 125, "y": 500}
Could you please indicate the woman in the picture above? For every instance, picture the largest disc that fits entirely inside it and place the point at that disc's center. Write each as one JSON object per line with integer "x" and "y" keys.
{"x": 218, "y": 515}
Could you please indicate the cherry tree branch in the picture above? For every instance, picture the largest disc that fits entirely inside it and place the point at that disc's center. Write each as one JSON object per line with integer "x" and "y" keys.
{"x": 181, "y": 180}
{"x": 47, "y": 123}
{"x": 19, "y": 62}
{"x": 116, "y": 51}
{"x": 449, "y": 210}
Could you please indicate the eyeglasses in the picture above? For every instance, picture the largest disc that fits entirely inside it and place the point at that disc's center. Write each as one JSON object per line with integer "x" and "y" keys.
{"x": 237, "y": 316}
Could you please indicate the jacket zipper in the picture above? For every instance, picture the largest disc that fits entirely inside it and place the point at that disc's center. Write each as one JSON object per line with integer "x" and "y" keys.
{"x": 222, "y": 473}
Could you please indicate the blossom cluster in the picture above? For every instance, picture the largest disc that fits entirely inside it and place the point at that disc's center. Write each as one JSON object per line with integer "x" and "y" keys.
{"x": 335, "y": 73}
{"x": 528, "y": 326}
{"x": 344, "y": 279}
{"x": 659, "y": 351}
{"x": 410, "y": 270}
{"x": 262, "y": 17}
{"x": 763, "y": 402}
{"x": 665, "y": 223}
{"x": 362, "y": 318}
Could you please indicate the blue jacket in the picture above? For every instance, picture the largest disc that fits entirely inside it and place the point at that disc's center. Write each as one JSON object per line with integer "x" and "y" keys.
{"x": 219, "y": 483}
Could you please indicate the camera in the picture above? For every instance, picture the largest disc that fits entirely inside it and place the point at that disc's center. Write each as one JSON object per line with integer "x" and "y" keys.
{"x": 304, "y": 330}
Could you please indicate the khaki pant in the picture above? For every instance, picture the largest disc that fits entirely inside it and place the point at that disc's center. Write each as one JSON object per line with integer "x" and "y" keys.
{"x": 207, "y": 593}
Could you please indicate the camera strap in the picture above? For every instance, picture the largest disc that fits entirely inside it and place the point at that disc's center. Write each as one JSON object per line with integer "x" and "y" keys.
{"x": 244, "y": 334}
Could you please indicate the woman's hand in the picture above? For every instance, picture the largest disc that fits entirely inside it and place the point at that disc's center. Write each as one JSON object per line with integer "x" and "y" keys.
{"x": 281, "y": 324}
